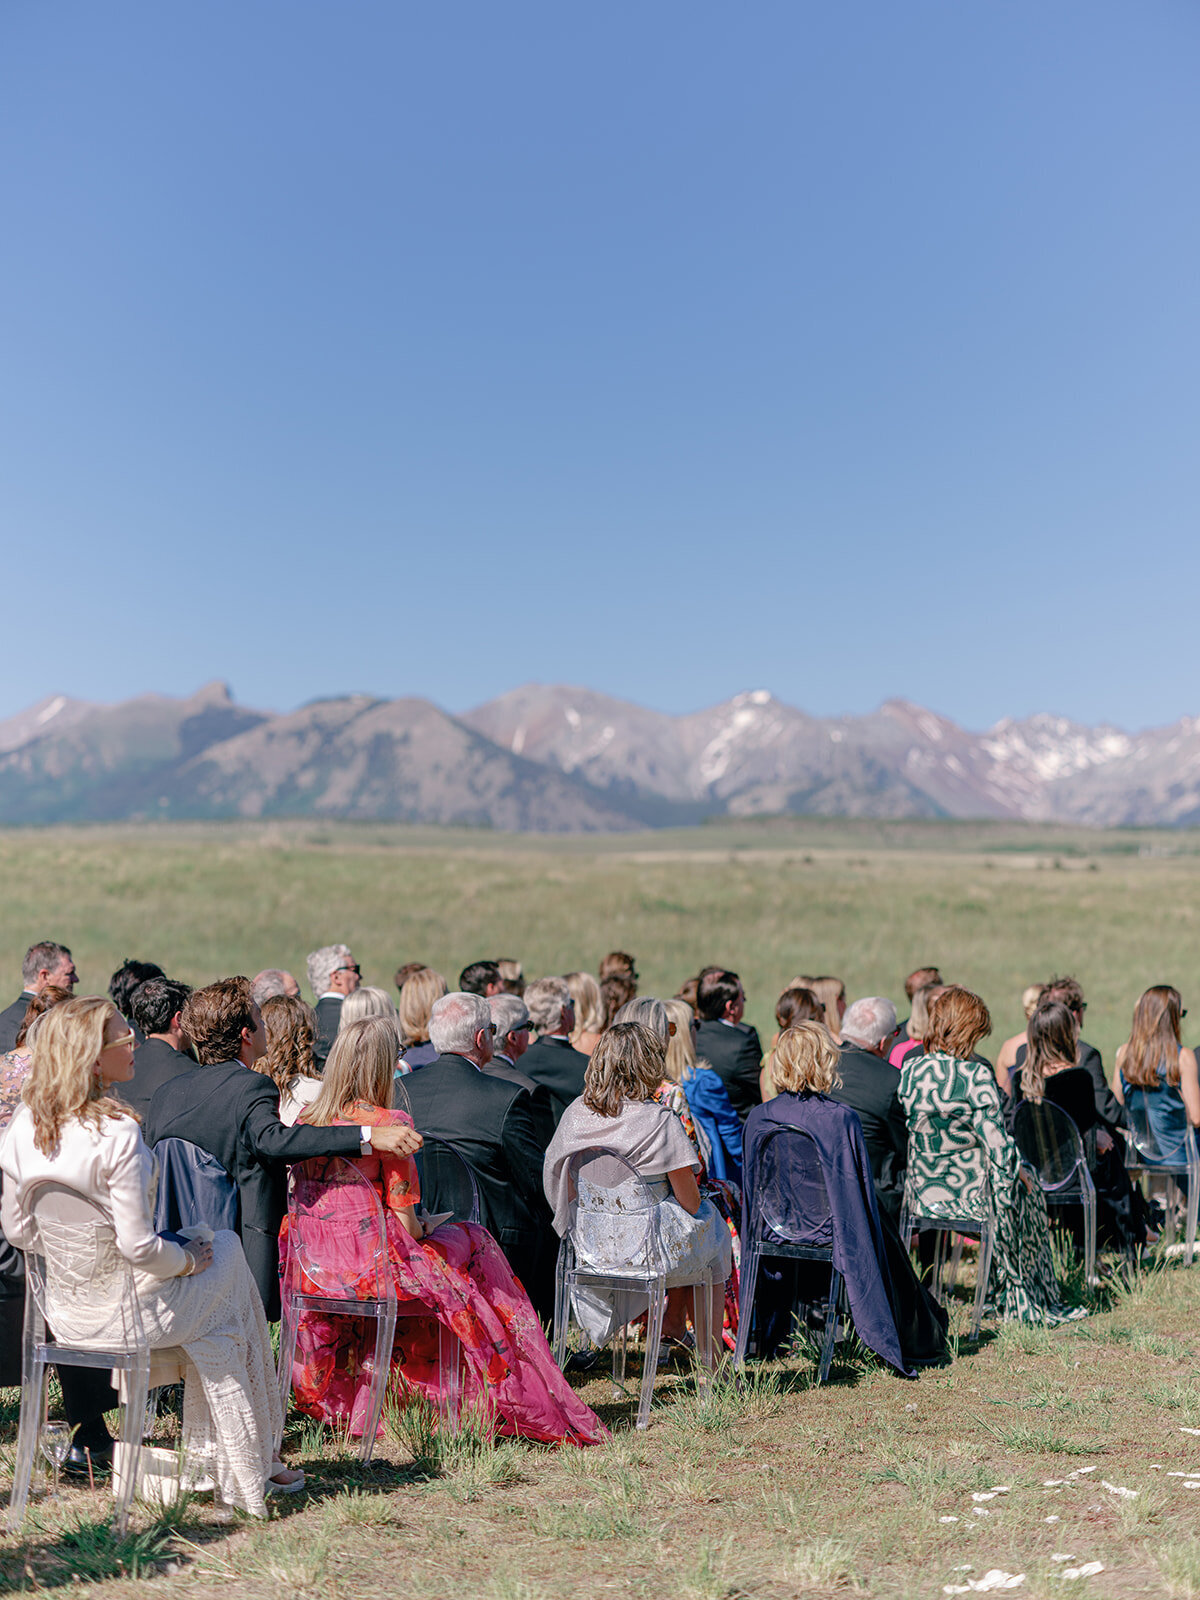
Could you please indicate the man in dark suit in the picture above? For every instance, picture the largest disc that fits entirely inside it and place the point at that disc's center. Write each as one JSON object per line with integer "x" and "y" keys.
{"x": 333, "y": 974}
{"x": 869, "y": 1086}
{"x": 510, "y": 1018}
{"x": 491, "y": 1122}
{"x": 231, "y": 1111}
{"x": 1069, "y": 992}
{"x": 45, "y": 963}
{"x": 553, "y": 1060}
{"x": 154, "y": 1009}
{"x": 729, "y": 1045}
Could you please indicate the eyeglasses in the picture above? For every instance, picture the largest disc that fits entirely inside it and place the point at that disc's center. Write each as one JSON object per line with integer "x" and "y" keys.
{"x": 356, "y": 969}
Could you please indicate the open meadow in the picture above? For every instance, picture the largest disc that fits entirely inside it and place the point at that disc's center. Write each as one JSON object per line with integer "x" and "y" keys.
{"x": 1036, "y": 1453}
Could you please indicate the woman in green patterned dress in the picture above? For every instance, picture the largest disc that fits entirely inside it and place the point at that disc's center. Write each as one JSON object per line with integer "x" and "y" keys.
{"x": 962, "y": 1162}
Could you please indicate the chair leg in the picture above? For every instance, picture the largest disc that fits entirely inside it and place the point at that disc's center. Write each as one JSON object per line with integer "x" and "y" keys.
{"x": 562, "y": 1303}
{"x": 983, "y": 1274}
{"x": 939, "y": 1266}
{"x": 289, "y": 1330}
{"x": 449, "y": 1377}
{"x": 702, "y": 1315}
{"x": 1170, "y": 1202}
{"x": 746, "y": 1287}
{"x": 654, "y": 1322}
{"x": 1089, "y": 1235}
{"x": 618, "y": 1360}
{"x": 831, "y": 1322}
{"x": 133, "y": 1420}
{"x": 33, "y": 1411}
{"x": 1193, "y": 1205}
{"x": 385, "y": 1338}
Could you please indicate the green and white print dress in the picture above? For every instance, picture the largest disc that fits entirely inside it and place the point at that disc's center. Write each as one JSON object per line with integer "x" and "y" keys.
{"x": 962, "y": 1161}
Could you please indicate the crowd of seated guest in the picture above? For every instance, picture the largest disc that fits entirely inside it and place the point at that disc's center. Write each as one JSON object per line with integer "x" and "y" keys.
{"x": 518, "y": 1076}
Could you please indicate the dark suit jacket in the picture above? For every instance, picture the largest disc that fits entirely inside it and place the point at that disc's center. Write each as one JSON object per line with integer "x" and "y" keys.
{"x": 11, "y": 1019}
{"x": 492, "y": 1124}
{"x": 869, "y": 1086}
{"x": 329, "y": 1014}
{"x": 154, "y": 1062}
{"x": 558, "y": 1067}
{"x": 233, "y": 1113}
{"x": 540, "y": 1097}
{"x": 735, "y": 1055}
{"x": 1108, "y": 1108}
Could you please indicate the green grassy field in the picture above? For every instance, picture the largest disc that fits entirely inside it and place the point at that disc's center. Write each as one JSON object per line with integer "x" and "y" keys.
{"x": 996, "y": 905}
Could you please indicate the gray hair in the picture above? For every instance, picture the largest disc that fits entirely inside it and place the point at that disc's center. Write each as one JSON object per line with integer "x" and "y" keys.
{"x": 510, "y": 1014}
{"x": 869, "y": 1021}
{"x": 323, "y": 963}
{"x": 455, "y": 1020}
{"x": 45, "y": 954}
{"x": 546, "y": 999}
{"x": 651, "y": 1013}
{"x": 366, "y": 1002}
{"x": 269, "y": 984}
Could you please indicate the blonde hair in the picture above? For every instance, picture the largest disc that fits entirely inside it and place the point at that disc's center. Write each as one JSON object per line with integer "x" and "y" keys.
{"x": 366, "y": 1002}
{"x": 360, "y": 1070}
{"x": 805, "y": 1059}
{"x": 589, "y": 1008}
{"x": 63, "y": 1081}
{"x": 420, "y": 994}
{"x": 1029, "y": 999}
{"x": 828, "y": 991}
{"x": 918, "y": 1022}
{"x": 627, "y": 1064}
{"x": 681, "y": 1052}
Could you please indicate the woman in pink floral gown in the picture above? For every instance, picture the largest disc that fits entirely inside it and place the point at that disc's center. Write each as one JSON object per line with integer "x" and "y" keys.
{"x": 458, "y": 1270}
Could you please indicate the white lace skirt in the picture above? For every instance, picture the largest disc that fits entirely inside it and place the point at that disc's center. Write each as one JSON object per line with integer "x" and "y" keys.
{"x": 614, "y": 1241}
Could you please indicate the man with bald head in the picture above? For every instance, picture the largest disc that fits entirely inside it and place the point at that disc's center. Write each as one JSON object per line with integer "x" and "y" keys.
{"x": 869, "y": 1087}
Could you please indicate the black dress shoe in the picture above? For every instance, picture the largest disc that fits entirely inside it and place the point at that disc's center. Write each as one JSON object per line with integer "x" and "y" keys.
{"x": 76, "y": 1464}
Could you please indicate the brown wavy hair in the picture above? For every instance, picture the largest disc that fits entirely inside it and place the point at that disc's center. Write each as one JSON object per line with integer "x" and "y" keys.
{"x": 1154, "y": 1038}
{"x": 38, "y": 1005}
{"x": 958, "y": 1020}
{"x": 213, "y": 1019}
{"x": 629, "y": 1063}
{"x": 291, "y": 1033}
{"x": 62, "y": 1081}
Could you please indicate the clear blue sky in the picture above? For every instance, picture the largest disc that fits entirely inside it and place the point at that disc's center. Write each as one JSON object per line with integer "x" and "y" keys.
{"x": 849, "y": 350}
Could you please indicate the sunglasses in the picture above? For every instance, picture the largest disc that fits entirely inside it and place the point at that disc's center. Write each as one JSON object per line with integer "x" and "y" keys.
{"x": 125, "y": 1038}
{"x": 349, "y": 969}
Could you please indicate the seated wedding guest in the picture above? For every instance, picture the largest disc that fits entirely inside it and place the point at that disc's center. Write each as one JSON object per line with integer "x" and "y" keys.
{"x": 14, "y": 1066}
{"x": 831, "y": 992}
{"x": 231, "y": 1111}
{"x": 156, "y": 1006}
{"x": 892, "y": 1314}
{"x": 918, "y": 1022}
{"x": 552, "y": 1059}
{"x": 589, "y": 1011}
{"x": 962, "y": 1160}
{"x": 1007, "y": 1059}
{"x": 919, "y": 979}
{"x": 653, "y": 1014}
{"x": 71, "y": 1131}
{"x": 122, "y": 984}
{"x": 458, "y": 1270}
{"x": 793, "y": 1006}
{"x": 494, "y": 1127}
{"x": 617, "y": 1111}
{"x": 512, "y": 975}
{"x": 617, "y": 990}
{"x": 291, "y": 1030}
{"x": 421, "y": 992}
{"x": 1154, "y": 1076}
{"x": 510, "y": 1040}
{"x": 1070, "y": 993}
{"x": 717, "y": 1124}
{"x": 273, "y": 981}
{"x": 404, "y": 973}
{"x": 481, "y": 978}
{"x": 619, "y": 964}
{"x": 728, "y": 1044}
{"x": 368, "y": 1001}
{"x": 333, "y": 973}
{"x": 44, "y": 963}
{"x": 871, "y": 1088}
{"x": 1050, "y": 1072}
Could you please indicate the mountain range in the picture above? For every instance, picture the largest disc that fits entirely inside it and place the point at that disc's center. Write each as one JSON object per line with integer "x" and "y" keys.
{"x": 555, "y": 759}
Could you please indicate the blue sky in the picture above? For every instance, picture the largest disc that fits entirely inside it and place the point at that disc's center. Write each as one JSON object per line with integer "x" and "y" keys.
{"x": 673, "y": 349}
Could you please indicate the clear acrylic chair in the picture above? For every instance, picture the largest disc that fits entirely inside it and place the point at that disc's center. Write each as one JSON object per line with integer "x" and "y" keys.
{"x": 956, "y": 1228}
{"x": 1147, "y": 1157}
{"x": 1052, "y": 1145}
{"x": 613, "y": 1243}
{"x": 787, "y": 1213}
{"x": 331, "y": 1200}
{"x": 80, "y": 1285}
{"x": 447, "y": 1182}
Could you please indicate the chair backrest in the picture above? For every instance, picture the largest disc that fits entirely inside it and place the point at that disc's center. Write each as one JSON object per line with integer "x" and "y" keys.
{"x": 1158, "y": 1126}
{"x": 1049, "y": 1140}
{"x": 81, "y": 1284}
{"x": 337, "y": 1233}
{"x": 789, "y": 1200}
{"x": 193, "y": 1187}
{"x": 447, "y": 1182}
{"x": 608, "y": 1194}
